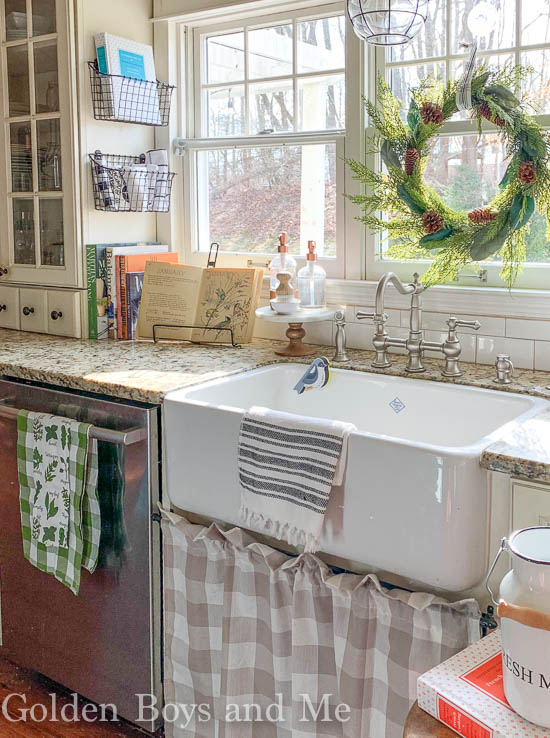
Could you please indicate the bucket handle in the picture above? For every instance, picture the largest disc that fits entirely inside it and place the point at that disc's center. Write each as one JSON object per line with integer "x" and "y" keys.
{"x": 503, "y": 547}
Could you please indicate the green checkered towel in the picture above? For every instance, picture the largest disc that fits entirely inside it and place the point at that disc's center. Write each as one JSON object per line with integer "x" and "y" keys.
{"x": 60, "y": 515}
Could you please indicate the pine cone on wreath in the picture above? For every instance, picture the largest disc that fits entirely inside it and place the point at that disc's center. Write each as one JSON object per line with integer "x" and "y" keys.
{"x": 485, "y": 111}
{"x": 526, "y": 173}
{"x": 431, "y": 113}
{"x": 432, "y": 221}
{"x": 411, "y": 157}
{"x": 481, "y": 215}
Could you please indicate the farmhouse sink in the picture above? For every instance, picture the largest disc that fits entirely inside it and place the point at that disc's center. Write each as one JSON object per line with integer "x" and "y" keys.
{"x": 415, "y": 500}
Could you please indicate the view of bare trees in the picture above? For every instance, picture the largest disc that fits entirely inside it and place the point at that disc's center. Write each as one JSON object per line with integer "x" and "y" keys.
{"x": 256, "y": 193}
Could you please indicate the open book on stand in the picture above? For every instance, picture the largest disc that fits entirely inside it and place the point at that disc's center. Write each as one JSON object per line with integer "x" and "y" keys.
{"x": 210, "y": 300}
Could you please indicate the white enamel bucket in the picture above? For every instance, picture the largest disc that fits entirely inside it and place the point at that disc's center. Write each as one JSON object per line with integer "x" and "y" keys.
{"x": 524, "y": 609}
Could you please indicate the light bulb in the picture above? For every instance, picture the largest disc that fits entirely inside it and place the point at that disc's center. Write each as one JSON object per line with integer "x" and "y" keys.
{"x": 482, "y": 19}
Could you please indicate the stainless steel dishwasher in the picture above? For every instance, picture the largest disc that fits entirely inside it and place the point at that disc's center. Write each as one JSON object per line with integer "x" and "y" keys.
{"x": 104, "y": 644}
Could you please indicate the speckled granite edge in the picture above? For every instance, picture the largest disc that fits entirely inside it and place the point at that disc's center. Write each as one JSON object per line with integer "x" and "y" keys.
{"x": 146, "y": 372}
{"x": 513, "y": 466}
{"x": 523, "y": 450}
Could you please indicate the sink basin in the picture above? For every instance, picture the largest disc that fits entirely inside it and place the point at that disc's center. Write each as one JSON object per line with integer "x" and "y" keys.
{"x": 415, "y": 500}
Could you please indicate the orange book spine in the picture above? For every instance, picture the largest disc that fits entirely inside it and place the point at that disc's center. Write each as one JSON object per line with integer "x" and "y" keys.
{"x": 122, "y": 318}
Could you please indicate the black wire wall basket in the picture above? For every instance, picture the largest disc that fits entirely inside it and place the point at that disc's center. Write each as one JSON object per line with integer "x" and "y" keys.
{"x": 129, "y": 184}
{"x": 129, "y": 100}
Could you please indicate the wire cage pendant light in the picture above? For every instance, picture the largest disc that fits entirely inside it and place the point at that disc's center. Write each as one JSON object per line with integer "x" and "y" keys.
{"x": 387, "y": 22}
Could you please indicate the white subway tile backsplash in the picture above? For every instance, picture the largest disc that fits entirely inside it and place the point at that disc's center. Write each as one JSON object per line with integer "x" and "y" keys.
{"x": 360, "y": 335}
{"x": 542, "y": 355}
{"x": 522, "y": 353}
{"x": 468, "y": 344}
{"x": 490, "y": 326}
{"x": 264, "y": 329}
{"x": 350, "y": 313}
{"x": 526, "y": 341}
{"x": 538, "y": 330}
{"x": 320, "y": 333}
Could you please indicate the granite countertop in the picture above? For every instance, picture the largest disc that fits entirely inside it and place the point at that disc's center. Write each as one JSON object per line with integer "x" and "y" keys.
{"x": 146, "y": 372}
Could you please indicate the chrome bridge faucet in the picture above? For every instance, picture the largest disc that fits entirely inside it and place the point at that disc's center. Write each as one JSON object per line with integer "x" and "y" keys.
{"x": 415, "y": 343}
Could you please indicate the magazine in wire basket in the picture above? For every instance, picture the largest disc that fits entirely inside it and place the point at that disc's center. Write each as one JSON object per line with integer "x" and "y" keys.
{"x": 128, "y": 99}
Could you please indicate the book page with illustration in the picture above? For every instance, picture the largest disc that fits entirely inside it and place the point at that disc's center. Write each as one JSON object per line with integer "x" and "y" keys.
{"x": 227, "y": 300}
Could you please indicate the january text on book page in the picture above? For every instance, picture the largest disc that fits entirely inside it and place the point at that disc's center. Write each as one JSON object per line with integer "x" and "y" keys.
{"x": 170, "y": 295}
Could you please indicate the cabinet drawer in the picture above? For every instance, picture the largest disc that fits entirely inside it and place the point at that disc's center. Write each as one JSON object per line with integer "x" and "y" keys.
{"x": 63, "y": 313}
{"x": 9, "y": 307}
{"x": 32, "y": 309}
{"x": 530, "y": 505}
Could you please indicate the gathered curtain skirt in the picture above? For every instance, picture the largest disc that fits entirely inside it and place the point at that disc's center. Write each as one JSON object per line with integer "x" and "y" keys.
{"x": 266, "y": 645}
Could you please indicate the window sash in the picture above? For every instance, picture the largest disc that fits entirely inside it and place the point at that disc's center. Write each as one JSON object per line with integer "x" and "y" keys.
{"x": 195, "y": 142}
{"x": 252, "y": 23}
{"x": 197, "y": 213}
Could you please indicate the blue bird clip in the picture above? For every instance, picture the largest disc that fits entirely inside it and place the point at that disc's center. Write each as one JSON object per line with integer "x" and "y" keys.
{"x": 316, "y": 376}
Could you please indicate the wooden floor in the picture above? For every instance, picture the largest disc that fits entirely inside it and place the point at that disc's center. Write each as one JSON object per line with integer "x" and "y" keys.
{"x": 421, "y": 725}
{"x": 37, "y": 691}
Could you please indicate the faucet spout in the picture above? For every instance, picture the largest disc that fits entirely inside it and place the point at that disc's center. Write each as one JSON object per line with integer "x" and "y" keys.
{"x": 404, "y": 289}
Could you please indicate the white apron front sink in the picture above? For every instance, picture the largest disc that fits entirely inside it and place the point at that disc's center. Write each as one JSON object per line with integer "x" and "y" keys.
{"x": 415, "y": 500}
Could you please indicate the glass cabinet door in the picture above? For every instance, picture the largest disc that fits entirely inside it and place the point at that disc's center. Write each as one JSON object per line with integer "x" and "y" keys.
{"x": 36, "y": 127}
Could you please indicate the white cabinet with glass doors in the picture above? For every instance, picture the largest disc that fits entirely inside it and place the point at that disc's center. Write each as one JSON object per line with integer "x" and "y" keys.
{"x": 38, "y": 186}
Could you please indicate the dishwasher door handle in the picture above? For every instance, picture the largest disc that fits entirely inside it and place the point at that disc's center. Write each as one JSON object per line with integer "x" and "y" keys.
{"x": 121, "y": 438}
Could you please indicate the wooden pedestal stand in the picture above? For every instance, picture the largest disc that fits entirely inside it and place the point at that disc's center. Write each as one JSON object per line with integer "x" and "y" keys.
{"x": 296, "y": 331}
{"x": 295, "y": 334}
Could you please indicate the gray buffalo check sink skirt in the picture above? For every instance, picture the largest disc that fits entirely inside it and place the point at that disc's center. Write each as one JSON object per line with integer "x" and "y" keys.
{"x": 260, "y": 644}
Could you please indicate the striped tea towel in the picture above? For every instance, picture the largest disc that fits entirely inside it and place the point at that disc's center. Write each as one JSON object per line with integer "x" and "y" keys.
{"x": 287, "y": 467}
{"x": 60, "y": 514}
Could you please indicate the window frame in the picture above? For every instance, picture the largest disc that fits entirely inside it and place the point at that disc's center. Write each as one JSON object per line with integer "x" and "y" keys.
{"x": 349, "y": 261}
{"x": 536, "y": 275}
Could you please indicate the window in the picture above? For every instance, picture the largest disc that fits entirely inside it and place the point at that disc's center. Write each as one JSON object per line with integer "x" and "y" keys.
{"x": 269, "y": 123}
{"x": 465, "y": 168}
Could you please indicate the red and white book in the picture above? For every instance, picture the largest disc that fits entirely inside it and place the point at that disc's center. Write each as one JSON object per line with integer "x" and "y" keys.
{"x": 466, "y": 693}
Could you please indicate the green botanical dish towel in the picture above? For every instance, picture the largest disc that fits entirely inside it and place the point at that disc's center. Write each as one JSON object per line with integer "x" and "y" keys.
{"x": 60, "y": 515}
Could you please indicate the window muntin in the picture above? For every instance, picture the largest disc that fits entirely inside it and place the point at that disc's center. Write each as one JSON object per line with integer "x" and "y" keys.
{"x": 440, "y": 50}
{"x": 259, "y": 79}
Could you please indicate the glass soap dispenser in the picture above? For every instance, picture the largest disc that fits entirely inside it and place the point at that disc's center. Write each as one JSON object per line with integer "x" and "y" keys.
{"x": 281, "y": 262}
{"x": 311, "y": 281}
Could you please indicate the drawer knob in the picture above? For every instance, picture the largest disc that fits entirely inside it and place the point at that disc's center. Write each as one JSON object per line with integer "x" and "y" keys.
{"x": 3, "y": 307}
{"x": 3, "y": 271}
{"x": 55, "y": 314}
{"x": 28, "y": 311}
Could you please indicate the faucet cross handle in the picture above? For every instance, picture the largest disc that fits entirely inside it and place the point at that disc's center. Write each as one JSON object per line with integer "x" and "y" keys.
{"x": 361, "y": 315}
{"x": 417, "y": 284}
{"x": 455, "y": 323}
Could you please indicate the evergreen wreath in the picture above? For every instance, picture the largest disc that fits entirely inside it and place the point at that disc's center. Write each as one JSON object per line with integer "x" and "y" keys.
{"x": 418, "y": 221}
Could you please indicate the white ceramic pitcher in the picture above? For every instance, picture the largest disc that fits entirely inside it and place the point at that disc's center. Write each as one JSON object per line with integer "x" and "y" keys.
{"x": 524, "y": 609}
